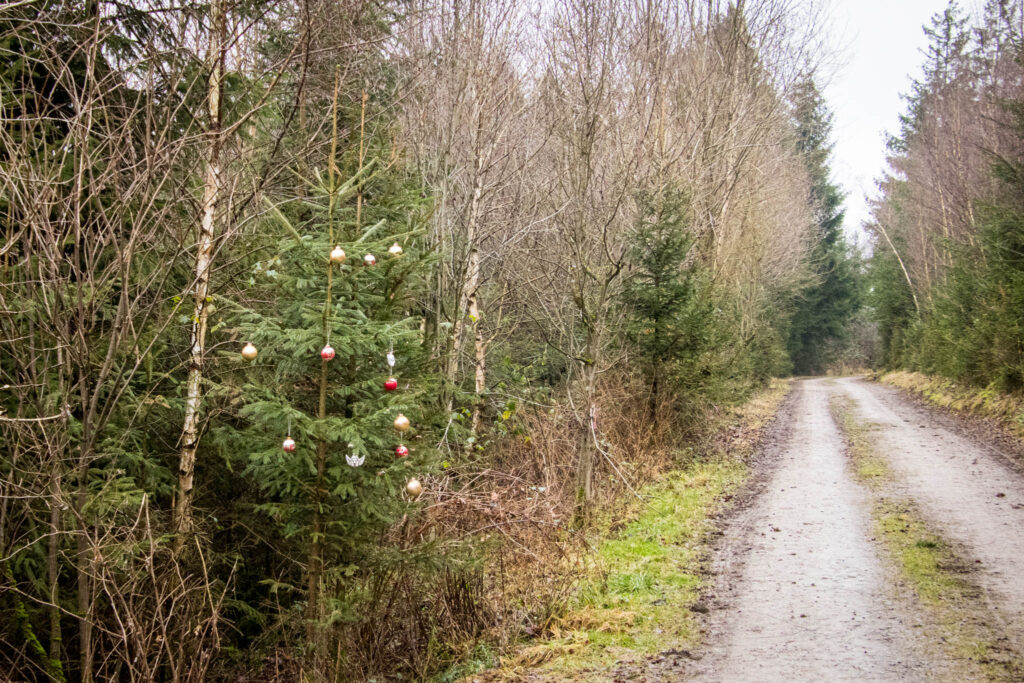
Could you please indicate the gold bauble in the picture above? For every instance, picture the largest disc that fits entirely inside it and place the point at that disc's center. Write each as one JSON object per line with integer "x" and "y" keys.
{"x": 337, "y": 255}
{"x": 395, "y": 249}
{"x": 249, "y": 351}
{"x": 401, "y": 423}
{"x": 414, "y": 487}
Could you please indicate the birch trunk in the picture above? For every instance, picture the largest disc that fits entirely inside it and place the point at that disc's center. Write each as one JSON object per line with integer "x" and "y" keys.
{"x": 472, "y": 285}
{"x": 204, "y": 262}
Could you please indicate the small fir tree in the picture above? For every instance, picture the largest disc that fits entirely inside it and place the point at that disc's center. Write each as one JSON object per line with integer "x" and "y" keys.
{"x": 826, "y": 307}
{"x": 669, "y": 321}
{"x": 330, "y": 503}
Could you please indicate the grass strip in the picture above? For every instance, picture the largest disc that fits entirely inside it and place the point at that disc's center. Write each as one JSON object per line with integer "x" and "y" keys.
{"x": 941, "y": 581}
{"x": 645, "y": 575}
{"x": 869, "y": 468}
{"x": 937, "y": 575}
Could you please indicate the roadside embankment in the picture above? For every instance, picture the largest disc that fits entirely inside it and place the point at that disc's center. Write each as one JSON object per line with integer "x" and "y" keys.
{"x": 639, "y": 602}
{"x": 1002, "y": 409}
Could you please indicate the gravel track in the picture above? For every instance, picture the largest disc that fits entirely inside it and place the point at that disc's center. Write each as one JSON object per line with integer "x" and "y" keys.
{"x": 801, "y": 593}
{"x": 971, "y": 492}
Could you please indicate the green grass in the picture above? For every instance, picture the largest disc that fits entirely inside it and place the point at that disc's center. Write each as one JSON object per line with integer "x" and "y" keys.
{"x": 869, "y": 469}
{"x": 927, "y": 564}
{"x": 646, "y": 575}
{"x": 925, "y": 560}
{"x": 644, "y": 572}
{"x": 941, "y": 581}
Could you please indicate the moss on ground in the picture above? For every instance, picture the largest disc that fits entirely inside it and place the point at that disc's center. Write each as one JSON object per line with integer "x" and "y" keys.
{"x": 1005, "y": 409}
{"x": 941, "y": 581}
{"x": 928, "y": 564}
{"x": 645, "y": 574}
{"x": 868, "y": 467}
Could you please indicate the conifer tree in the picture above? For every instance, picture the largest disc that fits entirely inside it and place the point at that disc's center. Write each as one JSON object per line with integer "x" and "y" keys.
{"x": 825, "y": 307}
{"x": 669, "y": 321}
{"x": 344, "y": 482}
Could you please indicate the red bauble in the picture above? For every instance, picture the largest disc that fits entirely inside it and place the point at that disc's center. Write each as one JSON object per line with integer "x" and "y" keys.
{"x": 327, "y": 353}
{"x": 288, "y": 445}
{"x": 401, "y": 451}
{"x": 390, "y": 384}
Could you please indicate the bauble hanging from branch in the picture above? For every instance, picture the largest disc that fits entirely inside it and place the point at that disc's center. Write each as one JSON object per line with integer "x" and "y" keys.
{"x": 414, "y": 487}
{"x": 337, "y": 255}
{"x": 401, "y": 451}
{"x": 249, "y": 351}
{"x": 327, "y": 353}
{"x": 395, "y": 249}
{"x": 401, "y": 423}
{"x": 370, "y": 260}
{"x": 390, "y": 384}
{"x": 288, "y": 445}
{"x": 354, "y": 460}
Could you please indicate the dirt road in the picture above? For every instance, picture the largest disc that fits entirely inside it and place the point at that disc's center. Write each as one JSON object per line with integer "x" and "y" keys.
{"x": 803, "y": 591}
{"x": 973, "y": 492}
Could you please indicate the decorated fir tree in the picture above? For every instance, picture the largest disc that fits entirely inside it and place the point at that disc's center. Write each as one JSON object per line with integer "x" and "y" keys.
{"x": 335, "y": 374}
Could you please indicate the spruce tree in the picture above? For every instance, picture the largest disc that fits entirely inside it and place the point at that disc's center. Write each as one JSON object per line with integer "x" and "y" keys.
{"x": 670, "y": 315}
{"x": 344, "y": 484}
{"x": 825, "y": 307}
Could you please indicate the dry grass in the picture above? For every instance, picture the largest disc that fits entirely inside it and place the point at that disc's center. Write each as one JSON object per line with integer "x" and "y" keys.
{"x": 1006, "y": 409}
{"x": 525, "y": 569}
{"x": 642, "y": 573}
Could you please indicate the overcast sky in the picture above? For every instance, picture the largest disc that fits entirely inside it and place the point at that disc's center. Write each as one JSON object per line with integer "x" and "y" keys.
{"x": 880, "y": 43}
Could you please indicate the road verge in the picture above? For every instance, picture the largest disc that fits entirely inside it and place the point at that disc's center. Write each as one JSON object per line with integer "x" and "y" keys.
{"x": 640, "y": 601}
{"x": 928, "y": 564}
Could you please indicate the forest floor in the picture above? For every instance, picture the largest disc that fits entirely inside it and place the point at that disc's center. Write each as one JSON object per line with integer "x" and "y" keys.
{"x": 871, "y": 538}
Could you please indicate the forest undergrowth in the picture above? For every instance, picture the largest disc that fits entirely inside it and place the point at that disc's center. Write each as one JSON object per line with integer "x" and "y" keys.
{"x": 642, "y": 566}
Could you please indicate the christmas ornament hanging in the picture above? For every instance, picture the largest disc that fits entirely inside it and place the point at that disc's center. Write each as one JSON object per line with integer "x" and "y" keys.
{"x": 401, "y": 451}
{"x": 395, "y": 249}
{"x": 354, "y": 460}
{"x": 390, "y": 384}
{"x": 337, "y": 255}
{"x": 249, "y": 351}
{"x": 401, "y": 423}
{"x": 327, "y": 353}
{"x": 414, "y": 487}
{"x": 391, "y": 359}
{"x": 370, "y": 259}
{"x": 288, "y": 445}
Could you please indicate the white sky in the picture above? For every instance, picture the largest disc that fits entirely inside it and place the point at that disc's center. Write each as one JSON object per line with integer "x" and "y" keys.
{"x": 879, "y": 43}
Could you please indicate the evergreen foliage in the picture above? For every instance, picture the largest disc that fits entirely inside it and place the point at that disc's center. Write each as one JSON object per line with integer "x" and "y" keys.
{"x": 369, "y": 315}
{"x": 819, "y": 321}
{"x": 970, "y": 287}
{"x": 670, "y": 311}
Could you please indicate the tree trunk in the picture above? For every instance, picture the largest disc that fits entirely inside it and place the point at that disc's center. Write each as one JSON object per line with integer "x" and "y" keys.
{"x": 53, "y": 577}
{"x": 471, "y": 305}
{"x": 316, "y": 550}
{"x": 588, "y": 446}
{"x": 190, "y": 432}
{"x": 83, "y": 559}
{"x": 480, "y": 358}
